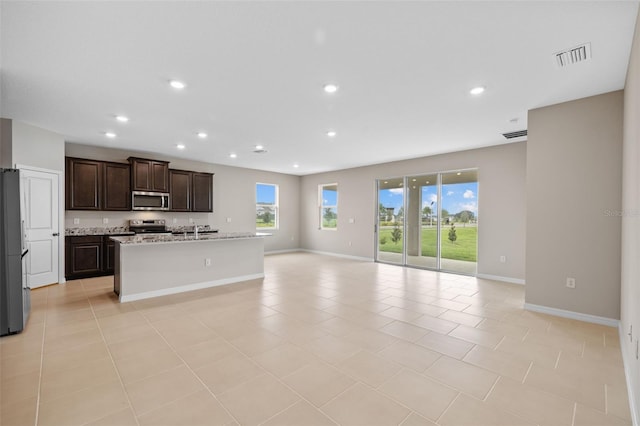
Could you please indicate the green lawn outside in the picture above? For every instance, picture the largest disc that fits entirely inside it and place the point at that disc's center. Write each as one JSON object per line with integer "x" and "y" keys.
{"x": 464, "y": 248}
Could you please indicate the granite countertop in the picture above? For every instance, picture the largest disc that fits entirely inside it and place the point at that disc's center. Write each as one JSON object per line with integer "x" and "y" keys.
{"x": 115, "y": 230}
{"x": 181, "y": 238}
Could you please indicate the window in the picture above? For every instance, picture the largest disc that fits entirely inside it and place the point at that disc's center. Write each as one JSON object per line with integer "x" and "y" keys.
{"x": 266, "y": 206}
{"x": 328, "y": 202}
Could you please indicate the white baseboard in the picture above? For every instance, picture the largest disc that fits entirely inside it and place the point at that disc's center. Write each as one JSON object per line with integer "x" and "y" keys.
{"x": 626, "y": 362}
{"x": 610, "y": 322}
{"x": 189, "y": 287}
{"x": 270, "y": 252}
{"x": 499, "y": 278}
{"x": 345, "y": 256}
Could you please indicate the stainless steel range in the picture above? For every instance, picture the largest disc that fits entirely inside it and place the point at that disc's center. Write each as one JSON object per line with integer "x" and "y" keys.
{"x": 149, "y": 226}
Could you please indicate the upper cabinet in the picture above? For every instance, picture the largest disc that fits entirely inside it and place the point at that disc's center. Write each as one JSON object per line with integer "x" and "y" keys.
{"x": 97, "y": 185}
{"x": 117, "y": 187}
{"x": 191, "y": 191}
{"x": 180, "y": 190}
{"x": 149, "y": 175}
{"x": 202, "y": 192}
{"x": 83, "y": 181}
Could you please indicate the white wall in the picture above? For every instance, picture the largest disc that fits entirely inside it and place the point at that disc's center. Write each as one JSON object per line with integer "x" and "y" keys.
{"x": 630, "y": 289}
{"x": 501, "y": 229}
{"x": 233, "y": 197}
{"x": 574, "y": 161}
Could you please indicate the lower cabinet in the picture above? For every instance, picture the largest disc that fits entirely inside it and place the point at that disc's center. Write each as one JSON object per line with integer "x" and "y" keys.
{"x": 89, "y": 256}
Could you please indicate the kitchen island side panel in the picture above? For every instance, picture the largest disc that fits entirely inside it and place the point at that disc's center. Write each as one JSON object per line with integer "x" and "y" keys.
{"x": 150, "y": 270}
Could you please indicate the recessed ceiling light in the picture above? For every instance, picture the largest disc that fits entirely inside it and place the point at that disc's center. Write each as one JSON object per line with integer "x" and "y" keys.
{"x": 177, "y": 84}
{"x": 122, "y": 118}
{"x": 427, "y": 182}
{"x": 259, "y": 147}
{"x": 180, "y": 146}
{"x": 459, "y": 173}
{"x": 477, "y": 90}
{"x": 233, "y": 155}
{"x": 331, "y": 133}
{"x": 295, "y": 166}
{"x": 386, "y": 181}
{"x": 110, "y": 135}
{"x": 413, "y": 180}
{"x": 202, "y": 135}
{"x": 330, "y": 88}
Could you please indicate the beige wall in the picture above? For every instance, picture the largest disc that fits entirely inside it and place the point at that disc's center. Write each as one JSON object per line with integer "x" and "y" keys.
{"x": 36, "y": 147}
{"x": 233, "y": 197}
{"x": 630, "y": 297}
{"x": 501, "y": 176}
{"x": 574, "y": 159}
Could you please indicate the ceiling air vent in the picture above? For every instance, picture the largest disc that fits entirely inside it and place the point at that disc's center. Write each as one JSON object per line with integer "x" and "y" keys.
{"x": 513, "y": 135}
{"x": 574, "y": 55}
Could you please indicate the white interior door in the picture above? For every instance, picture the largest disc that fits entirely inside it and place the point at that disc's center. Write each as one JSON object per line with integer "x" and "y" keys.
{"x": 40, "y": 215}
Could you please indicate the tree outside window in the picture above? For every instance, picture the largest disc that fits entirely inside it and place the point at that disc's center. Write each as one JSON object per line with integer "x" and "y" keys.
{"x": 328, "y": 201}
{"x": 266, "y": 206}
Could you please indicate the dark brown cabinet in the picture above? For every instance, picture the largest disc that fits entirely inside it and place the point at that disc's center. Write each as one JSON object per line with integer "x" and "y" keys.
{"x": 109, "y": 247}
{"x": 83, "y": 256}
{"x": 149, "y": 175}
{"x": 202, "y": 192}
{"x": 180, "y": 190}
{"x": 83, "y": 180}
{"x": 191, "y": 191}
{"x": 97, "y": 185}
{"x": 117, "y": 187}
{"x": 89, "y": 256}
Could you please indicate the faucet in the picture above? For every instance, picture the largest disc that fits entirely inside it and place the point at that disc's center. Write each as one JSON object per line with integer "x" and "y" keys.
{"x": 195, "y": 231}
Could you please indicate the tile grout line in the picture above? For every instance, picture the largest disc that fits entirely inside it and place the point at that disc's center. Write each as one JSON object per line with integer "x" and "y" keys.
{"x": 113, "y": 362}
{"x": 189, "y": 367}
{"x": 44, "y": 331}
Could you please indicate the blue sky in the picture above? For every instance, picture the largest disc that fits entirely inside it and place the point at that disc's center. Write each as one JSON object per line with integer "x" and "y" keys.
{"x": 265, "y": 194}
{"x": 455, "y": 197}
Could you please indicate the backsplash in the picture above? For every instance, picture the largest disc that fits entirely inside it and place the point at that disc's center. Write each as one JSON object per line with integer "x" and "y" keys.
{"x": 114, "y": 219}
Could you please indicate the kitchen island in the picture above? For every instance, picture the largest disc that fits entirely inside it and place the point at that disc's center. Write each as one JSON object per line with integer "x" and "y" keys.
{"x": 158, "y": 265}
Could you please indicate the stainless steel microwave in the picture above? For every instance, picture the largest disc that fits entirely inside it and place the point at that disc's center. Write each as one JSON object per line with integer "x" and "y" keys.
{"x": 142, "y": 200}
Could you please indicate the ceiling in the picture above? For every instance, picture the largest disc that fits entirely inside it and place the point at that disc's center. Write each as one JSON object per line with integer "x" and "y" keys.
{"x": 254, "y": 74}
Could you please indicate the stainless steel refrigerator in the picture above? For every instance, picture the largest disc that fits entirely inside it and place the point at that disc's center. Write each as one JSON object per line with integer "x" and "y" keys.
{"x": 15, "y": 301}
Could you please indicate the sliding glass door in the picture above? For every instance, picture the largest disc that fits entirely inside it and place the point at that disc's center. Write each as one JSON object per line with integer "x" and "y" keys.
{"x": 429, "y": 221}
{"x": 390, "y": 235}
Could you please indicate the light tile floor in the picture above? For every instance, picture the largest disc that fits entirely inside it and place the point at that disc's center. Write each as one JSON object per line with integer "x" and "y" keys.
{"x": 319, "y": 341}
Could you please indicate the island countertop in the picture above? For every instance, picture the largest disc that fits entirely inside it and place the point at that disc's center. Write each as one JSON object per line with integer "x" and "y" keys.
{"x": 181, "y": 238}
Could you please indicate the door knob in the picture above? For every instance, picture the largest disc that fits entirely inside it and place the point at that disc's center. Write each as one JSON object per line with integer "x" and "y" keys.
{"x": 55, "y": 234}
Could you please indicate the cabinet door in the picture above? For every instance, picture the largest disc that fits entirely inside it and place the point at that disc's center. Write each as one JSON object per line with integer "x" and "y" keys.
{"x": 141, "y": 175}
{"x": 202, "y": 192}
{"x": 83, "y": 181}
{"x": 160, "y": 173}
{"x": 180, "y": 190}
{"x": 83, "y": 257}
{"x": 109, "y": 255}
{"x": 117, "y": 184}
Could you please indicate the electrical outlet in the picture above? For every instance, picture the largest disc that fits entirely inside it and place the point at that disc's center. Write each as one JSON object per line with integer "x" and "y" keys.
{"x": 571, "y": 282}
{"x": 228, "y": 220}
{"x": 76, "y": 221}
{"x": 349, "y": 243}
{"x": 190, "y": 220}
{"x": 207, "y": 262}
{"x": 503, "y": 259}
{"x": 105, "y": 220}
{"x": 352, "y": 220}
{"x": 175, "y": 220}
{"x": 630, "y": 333}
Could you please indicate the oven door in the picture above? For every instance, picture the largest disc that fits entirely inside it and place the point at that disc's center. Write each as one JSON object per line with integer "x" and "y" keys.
{"x": 141, "y": 200}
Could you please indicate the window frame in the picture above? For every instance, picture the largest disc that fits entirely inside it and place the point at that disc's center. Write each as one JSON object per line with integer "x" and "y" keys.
{"x": 276, "y": 206}
{"x": 322, "y": 206}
